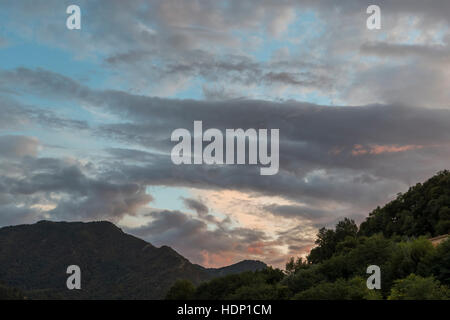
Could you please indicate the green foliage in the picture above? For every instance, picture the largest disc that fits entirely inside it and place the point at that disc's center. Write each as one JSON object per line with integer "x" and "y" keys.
{"x": 304, "y": 279}
{"x": 416, "y": 287}
{"x": 264, "y": 284}
{"x": 260, "y": 291}
{"x": 181, "y": 290}
{"x": 328, "y": 239}
{"x": 293, "y": 266}
{"x": 439, "y": 262}
{"x": 341, "y": 289}
{"x": 339, "y": 277}
{"x": 423, "y": 210}
{"x": 7, "y": 293}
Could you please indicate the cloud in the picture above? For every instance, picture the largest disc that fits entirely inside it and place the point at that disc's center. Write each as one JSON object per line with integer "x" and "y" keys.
{"x": 162, "y": 47}
{"x": 196, "y": 205}
{"x": 12, "y": 215}
{"x": 317, "y": 143}
{"x": 17, "y": 115}
{"x": 18, "y": 146}
{"x": 297, "y": 211}
{"x": 63, "y": 190}
{"x": 193, "y": 237}
{"x": 436, "y": 52}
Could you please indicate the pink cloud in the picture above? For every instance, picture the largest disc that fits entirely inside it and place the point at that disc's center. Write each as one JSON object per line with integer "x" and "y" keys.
{"x": 380, "y": 149}
{"x": 216, "y": 260}
{"x": 358, "y": 150}
{"x": 256, "y": 248}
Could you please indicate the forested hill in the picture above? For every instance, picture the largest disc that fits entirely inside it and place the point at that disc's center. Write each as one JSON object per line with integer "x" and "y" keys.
{"x": 423, "y": 210}
{"x": 114, "y": 265}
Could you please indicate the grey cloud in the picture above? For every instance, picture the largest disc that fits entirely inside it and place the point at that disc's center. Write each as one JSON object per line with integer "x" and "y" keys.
{"x": 229, "y": 68}
{"x": 18, "y": 146}
{"x": 297, "y": 211}
{"x": 17, "y": 115}
{"x": 74, "y": 194}
{"x": 196, "y": 205}
{"x": 192, "y": 237}
{"x": 158, "y": 42}
{"x": 312, "y": 138}
{"x": 203, "y": 213}
{"x": 420, "y": 85}
{"x": 13, "y": 215}
{"x": 432, "y": 52}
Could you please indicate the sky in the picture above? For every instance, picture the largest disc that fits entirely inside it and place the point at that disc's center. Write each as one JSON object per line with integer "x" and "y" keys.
{"x": 87, "y": 116}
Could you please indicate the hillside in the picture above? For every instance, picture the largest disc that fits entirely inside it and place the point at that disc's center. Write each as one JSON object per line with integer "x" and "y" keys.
{"x": 423, "y": 210}
{"x": 115, "y": 265}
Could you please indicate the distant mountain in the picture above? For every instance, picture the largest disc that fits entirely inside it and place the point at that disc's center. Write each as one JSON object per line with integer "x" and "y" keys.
{"x": 245, "y": 265}
{"x": 114, "y": 265}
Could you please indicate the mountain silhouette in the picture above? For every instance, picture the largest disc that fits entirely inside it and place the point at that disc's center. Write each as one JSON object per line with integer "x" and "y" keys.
{"x": 114, "y": 265}
{"x": 245, "y": 265}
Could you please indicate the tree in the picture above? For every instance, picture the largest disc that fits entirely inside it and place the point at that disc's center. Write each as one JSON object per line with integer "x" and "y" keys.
{"x": 293, "y": 266}
{"x": 345, "y": 228}
{"x": 410, "y": 257}
{"x": 304, "y": 279}
{"x": 353, "y": 289}
{"x": 260, "y": 291}
{"x": 262, "y": 284}
{"x": 181, "y": 290}
{"x": 327, "y": 240}
{"x": 416, "y": 287}
{"x": 440, "y": 263}
{"x": 423, "y": 210}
